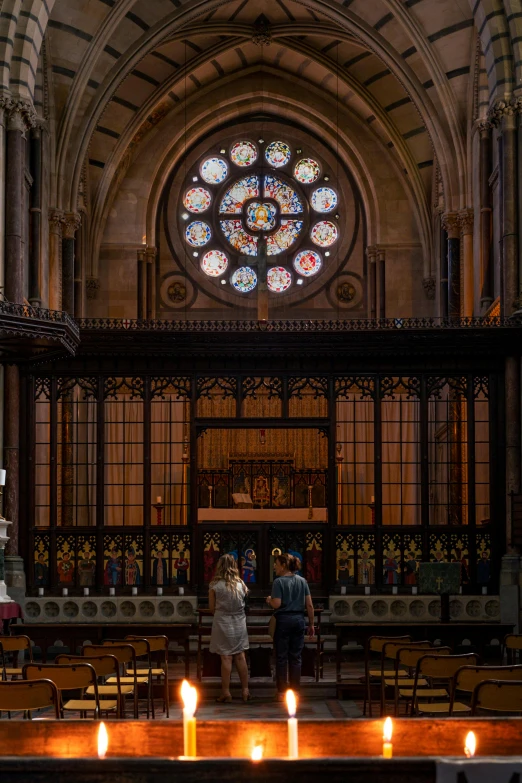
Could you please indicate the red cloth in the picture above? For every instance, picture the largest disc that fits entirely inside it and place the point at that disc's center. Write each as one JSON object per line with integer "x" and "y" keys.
{"x": 10, "y": 611}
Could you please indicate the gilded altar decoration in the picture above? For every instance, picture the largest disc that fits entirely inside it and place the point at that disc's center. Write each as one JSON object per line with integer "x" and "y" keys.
{"x": 41, "y": 560}
{"x": 113, "y": 572}
{"x": 261, "y": 493}
{"x": 133, "y": 560}
{"x": 345, "y": 559}
{"x": 159, "y": 561}
{"x": 65, "y": 561}
{"x": 412, "y": 557}
{"x": 86, "y": 561}
{"x": 391, "y": 561}
{"x": 365, "y": 560}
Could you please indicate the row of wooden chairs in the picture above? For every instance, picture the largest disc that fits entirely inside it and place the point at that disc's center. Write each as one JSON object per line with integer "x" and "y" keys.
{"x": 420, "y": 673}
{"x": 106, "y": 675}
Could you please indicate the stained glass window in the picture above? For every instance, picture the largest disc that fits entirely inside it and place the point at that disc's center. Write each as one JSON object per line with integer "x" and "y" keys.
{"x": 214, "y": 170}
{"x": 278, "y": 154}
{"x": 214, "y": 263}
{"x": 238, "y": 193}
{"x": 243, "y": 153}
{"x": 307, "y": 263}
{"x": 260, "y": 208}
{"x": 306, "y": 171}
{"x": 324, "y": 233}
{"x": 284, "y": 194}
{"x": 198, "y": 233}
{"x": 238, "y": 237}
{"x": 278, "y": 279}
{"x": 324, "y": 199}
{"x": 244, "y": 279}
{"x": 197, "y": 199}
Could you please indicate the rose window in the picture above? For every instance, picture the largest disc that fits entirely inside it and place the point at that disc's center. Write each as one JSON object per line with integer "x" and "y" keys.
{"x": 261, "y": 213}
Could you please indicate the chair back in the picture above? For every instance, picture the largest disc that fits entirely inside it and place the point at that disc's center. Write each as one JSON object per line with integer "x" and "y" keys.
{"x": 513, "y": 641}
{"x": 468, "y": 677}
{"x": 103, "y": 665}
{"x": 390, "y": 649}
{"x": 140, "y": 645}
{"x": 497, "y": 696}
{"x": 23, "y": 695}
{"x": 156, "y": 643}
{"x": 66, "y": 676}
{"x": 14, "y": 644}
{"x": 124, "y": 653}
{"x": 376, "y": 643}
{"x": 443, "y": 664}
{"x": 409, "y": 656}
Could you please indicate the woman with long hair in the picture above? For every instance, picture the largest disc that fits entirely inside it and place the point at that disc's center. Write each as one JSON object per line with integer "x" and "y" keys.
{"x": 291, "y": 599}
{"x": 229, "y": 637}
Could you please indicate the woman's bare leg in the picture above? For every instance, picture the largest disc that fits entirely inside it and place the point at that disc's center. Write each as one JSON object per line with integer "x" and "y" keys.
{"x": 242, "y": 670}
{"x": 226, "y": 669}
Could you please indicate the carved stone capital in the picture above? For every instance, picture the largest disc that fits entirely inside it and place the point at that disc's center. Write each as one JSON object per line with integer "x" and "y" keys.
{"x": 502, "y": 110}
{"x": 429, "y": 284}
{"x": 21, "y": 114}
{"x": 466, "y": 221}
{"x": 450, "y": 223}
{"x": 484, "y": 127}
{"x": 56, "y": 220}
{"x": 71, "y": 223}
{"x": 92, "y": 286}
{"x": 371, "y": 252}
{"x": 150, "y": 254}
{"x": 262, "y": 35}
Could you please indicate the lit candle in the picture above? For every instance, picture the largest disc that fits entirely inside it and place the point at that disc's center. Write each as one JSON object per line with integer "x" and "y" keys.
{"x": 181, "y": 591}
{"x": 387, "y": 747}
{"x": 470, "y": 745}
{"x": 395, "y": 590}
{"x": 373, "y": 499}
{"x": 293, "y": 745}
{"x": 103, "y": 741}
{"x": 40, "y": 591}
{"x": 134, "y": 591}
{"x": 112, "y": 591}
{"x": 65, "y": 592}
{"x": 190, "y": 700}
{"x": 158, "y": 500}
{"x": 257, "y": 753}
{"x": 414, "y": 590}
{"x": 86, "y": 591}
{"x": 159, "y": 591}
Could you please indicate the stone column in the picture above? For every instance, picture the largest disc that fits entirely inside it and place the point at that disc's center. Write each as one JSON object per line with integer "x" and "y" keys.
{"x": 466, "y": 228}
{"x": 36, "y": 217}
{"x": 72, "y": 222}
{"x": 513, "y": 436}
{"x": 142, "y": 284}
{"x": 486, "y": 216}
{"x": 20, "y": 117}
{"x": 371, "y": 253}
{"x": 451, "y": 225}
{"x": 443, "y": 304}
{"x": 4, "y": 105}
{"x": 150, "y": 257}
{"x": 56, "y": 222}
{"x": 381, "y": 276}
{"x": 503, "y": 115}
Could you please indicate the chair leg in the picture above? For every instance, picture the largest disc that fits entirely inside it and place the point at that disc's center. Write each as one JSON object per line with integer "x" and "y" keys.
{"x": 166, "y": 694}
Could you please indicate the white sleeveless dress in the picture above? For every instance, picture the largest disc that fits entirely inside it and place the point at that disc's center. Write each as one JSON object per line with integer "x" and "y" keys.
{"x": 229, "y": 632}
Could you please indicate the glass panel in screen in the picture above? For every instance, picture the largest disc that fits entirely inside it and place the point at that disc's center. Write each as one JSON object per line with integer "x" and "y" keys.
{"x": 124, "y": 451}
{"x": 76, "y": 422}
{"x": 42, "y": 458}
{"x": 401, "y": 479}
{"x": 355, "y": 456}
{"x": 169, "y": 458}
{"x": 482, "y": 487}
{"x": 448, "y": 451}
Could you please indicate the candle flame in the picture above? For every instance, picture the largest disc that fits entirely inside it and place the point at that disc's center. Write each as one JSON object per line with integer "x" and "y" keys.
{"x": 190, "y": 697}
{"x": 103, "y": 741}
{"x": 388, "y": 730}
{"x": 471, "y": 745}
{"x": 257, "y": 753}
{"x": 291, "y": 703}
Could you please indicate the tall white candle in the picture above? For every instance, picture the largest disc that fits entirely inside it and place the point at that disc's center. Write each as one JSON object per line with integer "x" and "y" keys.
{"x": 181, "y": 590}
{"x": 40, "y": 591}
{"x": 159, "y": 591}
{"x": 65, "y": 591}
{"x": 134, "y": 591}
{"x": 112, "y": 591}
{"x": 293, "y": 743}
{"x": 86, "y": 591}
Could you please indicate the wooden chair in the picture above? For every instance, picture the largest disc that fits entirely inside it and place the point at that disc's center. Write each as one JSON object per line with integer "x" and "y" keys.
{"x": 389, "y": 654}
{"x": 408, "y": 657}
{"x": 70, "y": 677}
{"x": 466, "y": 680}
{"x": 438, "y": 667}
{"x": 24, "y": 696}
{"x": 17, "y": 645}
{"x": 159, "y": 646}
{"x": 513, "y": 647}
{"x": 105, "y": 666}
{"x": 131, "y": 674}
{"x": 125, "y": 655}
{"x": 497, "y": 696}
{"x": 372, "y": 676}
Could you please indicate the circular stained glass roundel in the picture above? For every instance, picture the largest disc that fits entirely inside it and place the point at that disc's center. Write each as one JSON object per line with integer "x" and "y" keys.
{"x": 306, "y": 171}
{"x": 214, "y": 263}
{"x": 324, "y": 233}
{"x": 278, "y": 154}
{"x": 198, "y": 233}
{"x": 243, "y": 153}
{"x": 307, "y": 263}
{"x": 244, "y": 279}
{"x": 278, "y": 279}
{"x": 197, "y": 200}
{"x": 324, "y": 199}
{"x": 214, "y": 170}
{"x": 261, "y": 216}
